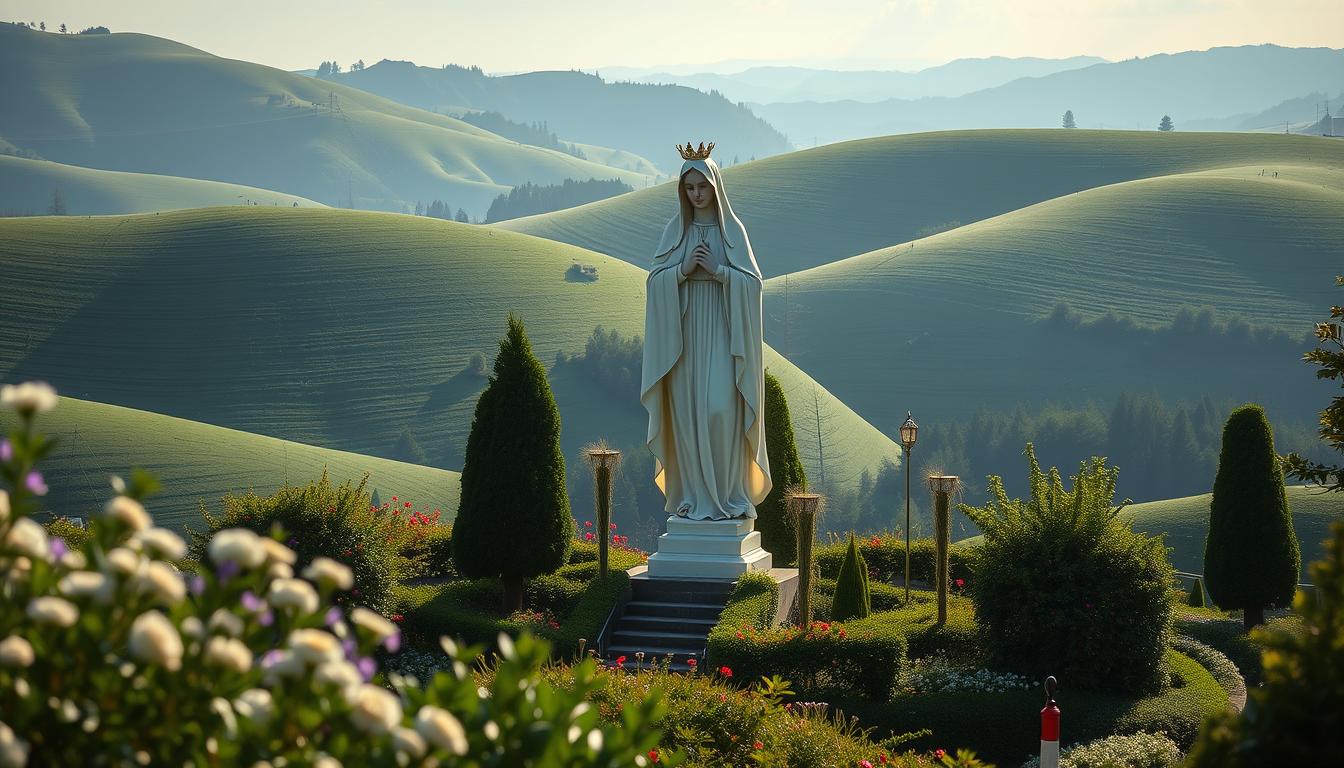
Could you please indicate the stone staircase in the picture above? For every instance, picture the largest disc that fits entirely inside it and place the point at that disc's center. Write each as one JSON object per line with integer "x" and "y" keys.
{"x": 666, "y": 616}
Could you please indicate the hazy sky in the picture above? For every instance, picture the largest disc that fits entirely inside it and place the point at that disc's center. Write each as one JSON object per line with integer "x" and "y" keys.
{"x": 516, "y": 35}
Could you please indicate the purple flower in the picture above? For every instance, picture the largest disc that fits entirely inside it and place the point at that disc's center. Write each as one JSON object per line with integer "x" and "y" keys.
{"x": 35, "y": 483}
{"x": 267, "y": 618}
{"x": 270, "y": 658}
{"x": 251, "y": 602}
{"x": 197, "y": 585}
{"x": 348, "y": 645}
{"x": 393, "y": 642}
{"x": 293, "y": 542}
{"x": 366, "y": 667}
{"x": 58, "y": 548}
{"x": 6, "y": 450}
{"x": 227, "y": 570}
{"x": 333, "y": 616}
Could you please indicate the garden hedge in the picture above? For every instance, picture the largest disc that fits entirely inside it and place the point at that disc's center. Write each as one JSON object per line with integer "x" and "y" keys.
{"x": 828, "y": 657}
{"x": 958, "y": 638}
{"x": 886, "y": 560}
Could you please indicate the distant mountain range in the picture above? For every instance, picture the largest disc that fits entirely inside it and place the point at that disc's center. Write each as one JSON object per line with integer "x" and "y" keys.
{"x": 1191, "y": 87}
{"x": 640, "y": 118}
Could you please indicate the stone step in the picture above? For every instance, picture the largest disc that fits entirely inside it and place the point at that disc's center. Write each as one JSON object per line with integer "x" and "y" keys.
{"x": 685, "y": 641}
{"x": 661, "y": 623}
{"x": 712, "y": 591}
{"x": 673, "y": 609}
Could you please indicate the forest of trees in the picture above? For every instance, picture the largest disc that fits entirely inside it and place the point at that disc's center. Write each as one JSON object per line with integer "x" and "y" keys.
{"x": 441, "y": 210}
{"x": 537, "y": 133}
{"x": 529, "y": 198}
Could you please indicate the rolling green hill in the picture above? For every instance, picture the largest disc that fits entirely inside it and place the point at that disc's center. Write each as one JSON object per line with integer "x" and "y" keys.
{"x": 27, "y": 187}
{"x": 957, "y": 321}
{"x": 199, "y": 463}
{"x": 134, "y": 102}
{"x": 815, "y": 206}
{"x": 336, "y": 328}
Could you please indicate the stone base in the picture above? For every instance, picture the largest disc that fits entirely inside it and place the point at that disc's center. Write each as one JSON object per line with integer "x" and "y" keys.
{"x": 719, "y": 550}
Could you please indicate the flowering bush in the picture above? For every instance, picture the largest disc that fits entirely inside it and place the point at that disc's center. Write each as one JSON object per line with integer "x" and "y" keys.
{"x": 1140, "y": 750}
{"x": 587, "y": 533}
{"x": 110, "y": 656}
{"x": 936, "y": 674}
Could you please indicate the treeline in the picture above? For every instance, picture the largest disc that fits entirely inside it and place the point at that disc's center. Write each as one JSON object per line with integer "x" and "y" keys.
{"x": 1190, "y": 327}
{"x": 529, "y": 199}
{"x": 441, "y": 210}
{"x": 536, "y": 133}
{"x": 41, "y": 26}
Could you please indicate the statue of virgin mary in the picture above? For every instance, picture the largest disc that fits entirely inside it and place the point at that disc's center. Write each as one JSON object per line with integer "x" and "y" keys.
{"x": 703, "y": 381}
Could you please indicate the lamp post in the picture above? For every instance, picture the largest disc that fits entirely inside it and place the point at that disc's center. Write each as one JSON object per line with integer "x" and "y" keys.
{"x": 909, "y": 432}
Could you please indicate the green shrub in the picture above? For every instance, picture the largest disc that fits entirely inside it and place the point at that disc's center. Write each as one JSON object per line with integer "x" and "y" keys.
{"x": 1140, "y": 750}
{"x": 322, "y": 520}
{"x": 885, "y": 555}
{"x": 1196, "y": 599}
{"x": 851, "y": 599}
{"x": 881, "y": 597}
{"x": 1065, "y": 588}
{"x": 958, "y": 638}
{"x": 430, "y": 554}
{"x": 1229, "y": 637}
{"x": 1210, "y": 658}
{"x": 585, "y": 621}
{"x": 554, "y": 594}
{"x": 1297, "y": 716}
{"x": 779, "y": 532}
{"x": 513, "y": 520}
{"x": 74, "y": 536}
{"x": 1250, "y": 522}
{"x": 825, "y": 657}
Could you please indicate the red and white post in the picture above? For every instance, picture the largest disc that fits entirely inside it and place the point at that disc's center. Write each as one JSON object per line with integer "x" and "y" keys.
{"x": 1050, "y": 727}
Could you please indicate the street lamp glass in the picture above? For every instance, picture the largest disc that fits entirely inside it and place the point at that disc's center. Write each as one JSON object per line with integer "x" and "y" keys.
{"x": 909, "y": 431}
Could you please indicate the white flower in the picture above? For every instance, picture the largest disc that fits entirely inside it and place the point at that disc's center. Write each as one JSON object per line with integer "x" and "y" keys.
{"x": 375, "y": 710}
{"x": 163, "y": 542}
{"x": 4, "y": 506}
{"x": 28, "y": 397}
{"x": 15, "y": 652}
{"x": 313, "y": 646}
{"x": 227, "y": 622}
{"x": 229, "y": 653}
{"x": 13, "y": 750}
{"x": 441, "y": 729}
{"x": 328, "y": 572}
{"x": 378, "y": 626}
{"x": 293, "y": 593}
{"x": 53, "y": 610}
{"x": 342, "y": 674}
{"x": 193, "y": 627}
{"x": 326, "y": 761}
{"x": 239, "y": 546}
{"x": 408, "y": 741}
{"x": 74, "y": 560}
{"x": 28, "y": 538}
{"x": 282, "y": 664}
{"x": 124, "y": 561}
{"x": 163, "y": 581}
{"x": 278, "y": 553}
{"x": 279, "y": 571}
{"x": 86, "y": 584}
{"x": 154, "y": 639}
{"x": 255, "y": 704}
{"x": 128, "y": 512}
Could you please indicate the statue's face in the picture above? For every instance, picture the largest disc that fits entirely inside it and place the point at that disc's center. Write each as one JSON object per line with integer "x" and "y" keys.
{"x": 698, "y": 189}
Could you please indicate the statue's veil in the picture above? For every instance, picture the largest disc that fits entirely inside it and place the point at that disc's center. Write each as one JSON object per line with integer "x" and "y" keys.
{"x": 734, "y": 234}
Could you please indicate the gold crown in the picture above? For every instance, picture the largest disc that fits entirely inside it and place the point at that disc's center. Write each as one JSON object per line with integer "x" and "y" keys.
{"x": 691, "y": 153}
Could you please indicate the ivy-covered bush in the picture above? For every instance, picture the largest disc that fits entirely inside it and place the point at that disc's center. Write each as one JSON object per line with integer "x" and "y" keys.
{"x": 1063, "y": 587}
{"x": 109, "y": 656}
{"x": 323, "y": 520}
{"x": 824, "y": 657}
{"x": 1139, "y": 750}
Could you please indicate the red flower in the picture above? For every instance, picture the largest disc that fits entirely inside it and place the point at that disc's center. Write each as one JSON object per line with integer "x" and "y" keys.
{"x": 555, "y": 624}
{"x": 758, "y": 745}
{"x": 691, "y": 661}
{"x": 588, "y": 536}
{"x": 723, "y": 697}
{"x": 620, "y": 660}
{"x": 960, "y": 583}
{"x": 394, "y": 498}
{"x": 587, "y": 523}
{"x": 938, "y": 753}
{"x": 407, "y": 505}
{"x": 725, "y": 671}
{"x": 842, "y": 634}
{"x": 613, "y": 526}
{"x": 653, "y": 755}
{"x": 397, "y": 617}
{"x": 865, "y": 764}
{"x": 882, "y": 758}
{"x": 739, "y": 634}
{"x": 875, "y": 542}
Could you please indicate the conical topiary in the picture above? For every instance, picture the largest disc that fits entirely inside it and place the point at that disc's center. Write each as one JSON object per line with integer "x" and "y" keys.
{"x": 513, "y": 521}
{"x": 779, "y": 531}
{"x": 1251, "y": 556}
{"x": 852, "y": 600}
{"x": 1196, "y": 594}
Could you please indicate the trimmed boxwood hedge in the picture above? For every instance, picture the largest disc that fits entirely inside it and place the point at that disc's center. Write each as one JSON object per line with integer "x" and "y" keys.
{"x": 886, "y": 560}
{"x": 958, "y": 638}
{"x": 829, "y": 657}
{"x": 1005, "y": 727}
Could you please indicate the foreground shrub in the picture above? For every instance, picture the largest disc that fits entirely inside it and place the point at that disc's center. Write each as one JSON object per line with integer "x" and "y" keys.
{"x": 1141, "y": 750}
{"x": 1297, "y": 716}
{"x": 1064, "y": 588}
{"x": 322, "y": 520}
{"x": 109, "y": 657}
{"x": 824, "y": 657}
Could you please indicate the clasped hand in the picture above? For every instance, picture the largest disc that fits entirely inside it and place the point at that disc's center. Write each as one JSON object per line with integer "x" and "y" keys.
{"x": 699, "y": 258}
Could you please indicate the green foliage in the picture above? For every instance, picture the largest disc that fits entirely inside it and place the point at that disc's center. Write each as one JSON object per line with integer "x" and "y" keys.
{"x": 514, "y": 520}
{"x": 1140, "y": 750}
{"x": 1210, "y": 658}
{"x": 957, "y": 639}
{"x": 1329, "y": 357}
{"x": 1250, "y": 522}
{"x": 430, "y": 555}
{"x": 885, "y": 556}
{"x": 1063, "y": 587}
{"x": 1297, "y": 716}
{"x": 824, "y": 657}
{"x": 322, "y": 520}
{"x": 851, "y": 599}
{"x": 779, "y": 531}
{"x": 1196, "y": 598}
{"x": 73, "y": 535}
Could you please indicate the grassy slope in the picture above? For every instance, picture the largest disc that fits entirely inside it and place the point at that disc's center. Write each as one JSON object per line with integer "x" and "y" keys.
{"x": 951, "y": 324}
{"x": 199, "y": 463}
{"x": 1186, "y": 524}
{"x": 26, "y": 186}
{"x": 819, "y": 205}
{"x": 140, "y": 103}
{"x": 330, "y": 327}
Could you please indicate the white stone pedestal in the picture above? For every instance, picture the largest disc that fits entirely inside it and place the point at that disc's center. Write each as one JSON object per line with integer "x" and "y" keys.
{"x": 720, "y": 550}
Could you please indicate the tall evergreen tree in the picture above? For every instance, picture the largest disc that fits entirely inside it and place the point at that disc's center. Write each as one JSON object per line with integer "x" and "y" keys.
{"x": 1251, "y": 557}
{"x": 1166, "y": 124}
{"x": 513, "y": 521}
{"x": 1068, "y": 119}
{"x": 779, "y": 532}
{"x": 852, "y": 598}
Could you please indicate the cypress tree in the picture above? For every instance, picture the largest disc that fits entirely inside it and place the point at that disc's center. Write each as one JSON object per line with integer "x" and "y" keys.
{"x": 513, "y": 521}
{"x": 779, "y": 532}
{"x": 1251, "y": 557}
{"x": 1196, "y": 599}
{"x": 852, "y": 600}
